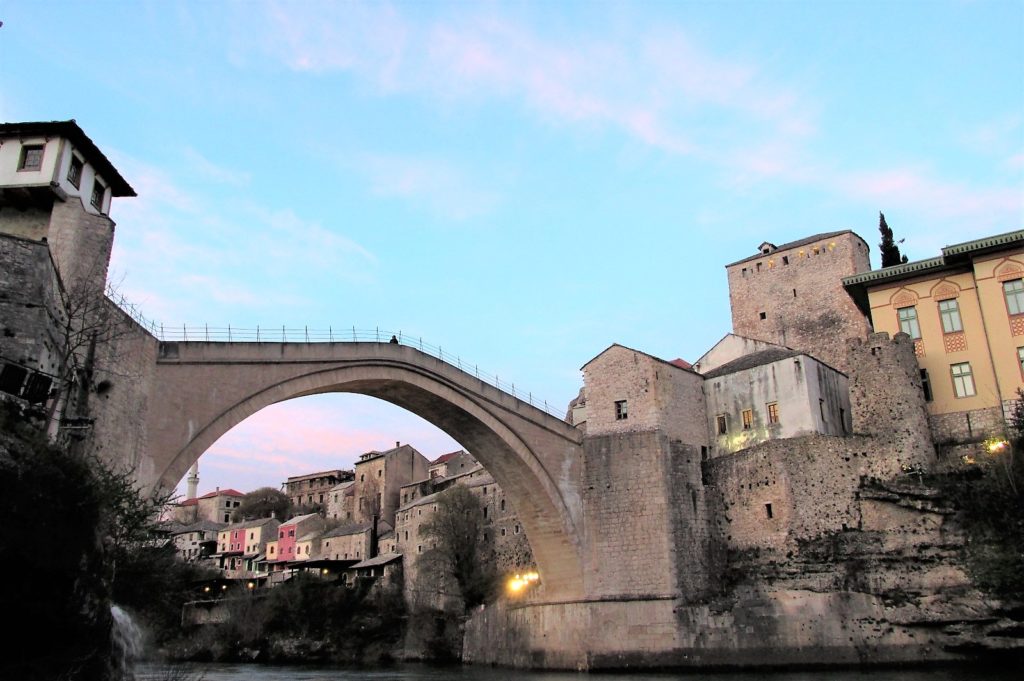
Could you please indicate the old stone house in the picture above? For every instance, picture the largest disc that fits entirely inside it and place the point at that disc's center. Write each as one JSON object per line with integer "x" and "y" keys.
{"x": 379, "y": 477}
{"x": 313, "y": 489}
{"x": 197, "y": 541}
{"x": 341, "y": 501}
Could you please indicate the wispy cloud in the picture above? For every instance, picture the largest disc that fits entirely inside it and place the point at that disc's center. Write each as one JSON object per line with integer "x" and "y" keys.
{"x": 437, "y": 184}
{"x": 657, "y": 86}
{"x": 183, "y": 240}
{"x": 207, "y": 169}
{"x": 655, "y": 90}
{"x": 915, "y": 187}
{"x": 312, "y": 433}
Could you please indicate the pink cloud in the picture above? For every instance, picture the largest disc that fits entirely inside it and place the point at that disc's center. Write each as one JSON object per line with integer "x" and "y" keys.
{"x": 915, "y": 188}
{"x": 311, "y": 434}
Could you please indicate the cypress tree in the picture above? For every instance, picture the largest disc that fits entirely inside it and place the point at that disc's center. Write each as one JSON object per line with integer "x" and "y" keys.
{"x": 890, "y": 251}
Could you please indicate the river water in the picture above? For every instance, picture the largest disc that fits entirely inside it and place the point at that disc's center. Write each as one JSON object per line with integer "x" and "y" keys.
{"x": 245, "y": 672}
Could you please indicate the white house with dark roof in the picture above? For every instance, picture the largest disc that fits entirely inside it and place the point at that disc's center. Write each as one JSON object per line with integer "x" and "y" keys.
{"x": 768, "y": 392}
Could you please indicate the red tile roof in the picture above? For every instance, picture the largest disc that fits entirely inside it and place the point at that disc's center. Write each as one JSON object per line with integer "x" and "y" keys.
{"x": 681, "y": 363}
{"x": 445, "y": 457}
{"x": 189, "y": 502}
{"x": 222, "y": 493}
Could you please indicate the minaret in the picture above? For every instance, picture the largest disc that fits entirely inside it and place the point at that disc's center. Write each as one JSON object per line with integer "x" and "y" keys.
{"x": 193, "y": 481}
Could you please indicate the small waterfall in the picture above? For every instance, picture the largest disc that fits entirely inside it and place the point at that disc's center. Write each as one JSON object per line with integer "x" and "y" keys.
{"x": 127, "y": 640}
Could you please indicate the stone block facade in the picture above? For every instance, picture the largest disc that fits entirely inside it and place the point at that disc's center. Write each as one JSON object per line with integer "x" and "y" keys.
{"x": 968, "y": 427}
{"x": 887, "y": 398}
{"x": 30, "y": 308}
{"x": 644, "y": 504}
{"x": 793, "y": 295}
{"x": 122, "y": 388}
{"x": 629, "y": 391}
{"x": 781, "y": 492}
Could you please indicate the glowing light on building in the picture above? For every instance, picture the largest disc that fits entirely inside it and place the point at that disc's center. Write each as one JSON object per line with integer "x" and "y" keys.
{"x": 996, "y": 445}
{"x": 520, "y": 582}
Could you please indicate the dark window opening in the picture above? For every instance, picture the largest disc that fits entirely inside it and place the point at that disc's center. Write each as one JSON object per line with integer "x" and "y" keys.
{"x": 768, "y": 511}
{"x": 75, "y": 172}
{"x": 722, "y": 423}
{"x": 98, "y": 190}
{"x": 12, "y": 378}
{"x": 763, "y": 315}
{"x": 703, "y": 453}
{"x": 794, "y": 293}
{"x": 785, "y": 260}
{"x": 926, "y": 385}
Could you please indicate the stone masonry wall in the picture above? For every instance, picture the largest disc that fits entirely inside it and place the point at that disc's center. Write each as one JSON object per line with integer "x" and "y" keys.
{"x": 81, "y": 243}
{"x": 29, "y": 305}
{"x": 122, "y": 389}
{"x": 967, "y": 427}
{"x": 658, "y": 395}
{"x": 690, "y": 541}
{"x": 810, "y": 482}
{"x": 887, "y": 399}
{"x": 800, "y": 293}
{"x": 634, "y": 508}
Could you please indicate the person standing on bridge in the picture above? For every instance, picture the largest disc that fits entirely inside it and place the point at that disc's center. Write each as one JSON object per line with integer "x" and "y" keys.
{"x": 394, "y": 339}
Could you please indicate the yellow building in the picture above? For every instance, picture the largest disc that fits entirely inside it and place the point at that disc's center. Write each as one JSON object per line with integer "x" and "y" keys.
{"x": 965, "y": 312}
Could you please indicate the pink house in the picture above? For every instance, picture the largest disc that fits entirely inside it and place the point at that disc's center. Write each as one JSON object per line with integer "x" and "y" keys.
{"x": 289, "y": 533}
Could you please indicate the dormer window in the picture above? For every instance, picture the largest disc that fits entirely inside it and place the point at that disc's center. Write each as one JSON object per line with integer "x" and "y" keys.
{"x": 98, "y": 190}
{"x": 31, "y": 157}
{"x": 767, "y": 247}
{"x": 75, "y": 172}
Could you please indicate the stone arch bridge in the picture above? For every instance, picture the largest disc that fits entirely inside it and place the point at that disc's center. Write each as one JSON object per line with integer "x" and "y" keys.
{"x": 206, "y": 388}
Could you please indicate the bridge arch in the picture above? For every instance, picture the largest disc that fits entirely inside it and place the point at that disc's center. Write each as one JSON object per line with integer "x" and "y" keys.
{"x": 535, "y": 457}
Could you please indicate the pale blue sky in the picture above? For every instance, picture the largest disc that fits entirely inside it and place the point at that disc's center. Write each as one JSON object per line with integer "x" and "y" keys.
{"x": 522, "y": 184}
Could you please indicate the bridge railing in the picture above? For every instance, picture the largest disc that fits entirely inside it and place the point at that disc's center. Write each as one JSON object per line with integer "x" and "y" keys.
{"x": 284, "y": 334}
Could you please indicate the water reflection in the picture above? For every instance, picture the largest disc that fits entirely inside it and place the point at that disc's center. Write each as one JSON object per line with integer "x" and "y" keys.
{"x": 240, "y": 672}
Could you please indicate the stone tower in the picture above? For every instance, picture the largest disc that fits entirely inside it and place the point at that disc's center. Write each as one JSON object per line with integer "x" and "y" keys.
{"x": 793, "y": 295}
{"x": 55, "y": 240}
{"x": 56, "y": 187}
{"x": 888, "y": 402}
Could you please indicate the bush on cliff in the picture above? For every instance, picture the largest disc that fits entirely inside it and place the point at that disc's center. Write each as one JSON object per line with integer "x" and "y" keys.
{"x": 990, "y": 495}
{"x": 55, "y": 571}
{"x": 459, "y": 548}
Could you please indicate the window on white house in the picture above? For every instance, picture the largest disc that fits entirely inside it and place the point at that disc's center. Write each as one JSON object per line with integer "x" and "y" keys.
{"x": 748, "y": 419}
{"x": 75, "y": 172}
{"x": 908, "y": 321}
{"x": 773, "y": 412}
{"x": 722, "y": 424}
{"x": 31, "y": 157}
{"x": 98, "y": 190}
{"x": 963, "y": 380}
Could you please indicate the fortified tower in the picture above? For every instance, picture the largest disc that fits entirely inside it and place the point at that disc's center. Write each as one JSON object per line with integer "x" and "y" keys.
{"x": 793, "y": 295}
{"x": 888, "y": 402}
{"x": 55, "y": 240}
{"x": 56, "y": 187}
